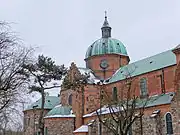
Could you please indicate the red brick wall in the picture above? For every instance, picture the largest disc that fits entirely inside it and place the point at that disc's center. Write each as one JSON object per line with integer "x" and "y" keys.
{"x": 175, "y": 105}
{"x": 153, "y": 83}
{"x": 64, "y": 94}
{"x": 77, "y": 109}
{"x": 169, "y": 74}
{"x": 91, "y": 98}
{"x": 114, "y": 60}
{"x": 91, "y": 92}
{"x": 76, "y": 103}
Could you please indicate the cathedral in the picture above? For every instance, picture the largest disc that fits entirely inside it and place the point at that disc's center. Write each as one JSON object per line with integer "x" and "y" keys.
{"x": 108, "y": 67}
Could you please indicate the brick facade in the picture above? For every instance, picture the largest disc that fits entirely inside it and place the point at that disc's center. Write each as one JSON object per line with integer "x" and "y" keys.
{"x": 150, "y": 125}
{"x": 155, "y": 87}
{"x": 59, "y": 126}
{"x": 91, "y": 102}
{"x": 161, "y": 81}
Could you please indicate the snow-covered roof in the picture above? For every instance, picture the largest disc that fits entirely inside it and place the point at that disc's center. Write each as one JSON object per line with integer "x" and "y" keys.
{"x": 92, "y": 78}
{"x": 152, "y": 101}
{"x": 82, "y": 129}
{"x": 61, "y": 116}
{"x": 104, "y": 110}
{"x": 60, "y": 111}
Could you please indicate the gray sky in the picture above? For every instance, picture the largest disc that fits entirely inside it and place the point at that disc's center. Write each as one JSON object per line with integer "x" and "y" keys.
{"x": 63, "y": 29}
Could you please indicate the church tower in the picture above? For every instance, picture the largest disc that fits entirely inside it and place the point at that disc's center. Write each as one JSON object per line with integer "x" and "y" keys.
{"x": 106, "y": 55}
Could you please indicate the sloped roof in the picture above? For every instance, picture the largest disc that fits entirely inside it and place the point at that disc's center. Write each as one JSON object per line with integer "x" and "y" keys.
{"x": 50, "y": 102}
{"x": 60, "y": 111}
{"x": 82, "y": 129}
{"x": 92, "y": 79}
{"x": 146, "y": 65}
{"x": 158, "y": 100}
{"x": 177, "y": 47}
{"x": 152, "y": 101}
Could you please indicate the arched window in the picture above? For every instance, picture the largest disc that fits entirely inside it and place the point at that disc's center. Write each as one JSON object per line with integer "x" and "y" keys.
{"x": 114, "y": 93}
{"x": 143, "y": 87}
{"x": 169, "y": 127}
{"x": 70, "y": 100}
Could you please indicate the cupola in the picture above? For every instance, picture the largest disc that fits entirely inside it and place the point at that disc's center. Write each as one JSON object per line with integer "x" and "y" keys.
{"x": 106, "y": 50}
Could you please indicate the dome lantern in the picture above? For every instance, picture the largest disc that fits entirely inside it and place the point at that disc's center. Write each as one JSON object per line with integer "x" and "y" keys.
{"x": 106, "y": 29}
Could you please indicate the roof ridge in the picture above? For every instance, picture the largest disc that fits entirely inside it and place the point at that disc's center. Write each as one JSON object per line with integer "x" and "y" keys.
{"x": 151, "y": 56}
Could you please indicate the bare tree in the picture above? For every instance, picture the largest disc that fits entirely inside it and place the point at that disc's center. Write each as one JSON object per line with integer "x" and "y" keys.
{"x": 13, "y": 55}
{"x": 121, "y": 112}
{"x": 43, "y": 75}
{"x": 123, "y": 109}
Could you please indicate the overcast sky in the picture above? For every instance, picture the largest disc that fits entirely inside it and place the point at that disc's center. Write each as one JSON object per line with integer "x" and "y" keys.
{"x": 63, "y": 29}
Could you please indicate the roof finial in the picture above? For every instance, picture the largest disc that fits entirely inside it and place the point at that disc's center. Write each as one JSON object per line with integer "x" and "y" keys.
{"x": 105, "y": 14}
{"x": 106, "y": 24}
{"x": 106, "y": 29}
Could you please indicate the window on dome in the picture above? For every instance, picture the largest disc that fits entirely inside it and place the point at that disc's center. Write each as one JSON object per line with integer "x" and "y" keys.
{"x": 169, "y": 127}
{"x": 70, "y": 100}
{"x": 143, "y": 87}
{"x": 114, "y": 93}
{"x": 118, "y": 48}
{"x": 111, "y": 49}
{"x": 103, "y": 49}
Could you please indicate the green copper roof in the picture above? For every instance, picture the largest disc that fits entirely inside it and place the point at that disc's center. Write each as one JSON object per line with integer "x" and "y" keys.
{"x": 156, "y": 100}
{"x": 146, "y": 65}
{"x": 60, "y": 111}
{"x": 50, "y": 102}
{"x": 150, "y": 102}
{"x": 106, "y": 46}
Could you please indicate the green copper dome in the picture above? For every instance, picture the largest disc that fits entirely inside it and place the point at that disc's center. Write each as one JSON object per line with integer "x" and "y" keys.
{"x": 60, "y": 111}
{"x": 106, "y": 46}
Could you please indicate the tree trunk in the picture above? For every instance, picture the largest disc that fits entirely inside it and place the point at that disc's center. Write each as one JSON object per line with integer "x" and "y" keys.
{"x": 141, "y": 126}
{"x": 41, "y": 120}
